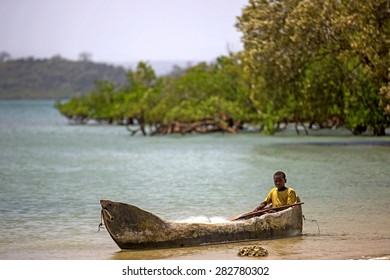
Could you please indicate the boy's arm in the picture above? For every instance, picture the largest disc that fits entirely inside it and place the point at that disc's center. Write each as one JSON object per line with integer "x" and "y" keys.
{"x": 261, "y": 206}
{"x": 267, "y": 200}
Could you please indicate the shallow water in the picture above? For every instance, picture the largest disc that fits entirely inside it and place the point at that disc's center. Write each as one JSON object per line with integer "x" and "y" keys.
{"x": 52, "y": 176}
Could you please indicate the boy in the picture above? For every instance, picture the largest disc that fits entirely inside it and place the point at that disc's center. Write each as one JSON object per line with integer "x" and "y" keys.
{"x": 280, "y": 195}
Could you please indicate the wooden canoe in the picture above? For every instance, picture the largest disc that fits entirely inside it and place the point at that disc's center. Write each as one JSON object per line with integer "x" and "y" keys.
{"x": 134, "y": 228}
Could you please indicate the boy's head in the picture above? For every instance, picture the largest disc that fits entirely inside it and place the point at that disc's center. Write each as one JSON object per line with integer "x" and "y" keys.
{"x": 280, "y": 180}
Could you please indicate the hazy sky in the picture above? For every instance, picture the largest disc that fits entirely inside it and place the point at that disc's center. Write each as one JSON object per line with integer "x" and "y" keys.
{"x": 120, "y": 30}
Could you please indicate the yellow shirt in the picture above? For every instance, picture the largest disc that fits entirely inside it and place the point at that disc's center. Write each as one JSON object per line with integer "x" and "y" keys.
{"x": 282, "y": 198}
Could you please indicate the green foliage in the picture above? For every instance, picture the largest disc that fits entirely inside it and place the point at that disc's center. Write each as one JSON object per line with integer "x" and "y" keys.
{"x": 319, "y": 60}
{"x": 213, "y": 91}
{"x": 319, "y": 63}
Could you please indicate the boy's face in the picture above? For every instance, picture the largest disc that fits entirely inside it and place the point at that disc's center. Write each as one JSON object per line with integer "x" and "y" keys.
{"x": 279, "y": 181}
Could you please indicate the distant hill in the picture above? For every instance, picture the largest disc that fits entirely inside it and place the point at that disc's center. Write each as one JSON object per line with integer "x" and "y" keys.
{"x": 56, "y": 78}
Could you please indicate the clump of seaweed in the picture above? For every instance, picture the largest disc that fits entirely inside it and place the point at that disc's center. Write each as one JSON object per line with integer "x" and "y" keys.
{"x": 252, "y": 251}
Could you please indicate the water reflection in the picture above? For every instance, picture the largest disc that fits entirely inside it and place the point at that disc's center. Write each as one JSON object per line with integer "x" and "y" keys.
{"x": 278, "y": 249}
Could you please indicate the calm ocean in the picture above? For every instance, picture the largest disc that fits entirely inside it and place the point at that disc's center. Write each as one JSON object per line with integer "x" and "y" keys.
{"x": 52, "y": 176}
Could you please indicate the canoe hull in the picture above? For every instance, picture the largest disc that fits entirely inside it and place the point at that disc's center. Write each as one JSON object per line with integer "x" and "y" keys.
{"x": 133, "y": 228}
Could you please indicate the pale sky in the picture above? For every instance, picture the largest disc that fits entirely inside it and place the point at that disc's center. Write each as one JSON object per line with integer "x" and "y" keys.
{"x": 120, "y": 30}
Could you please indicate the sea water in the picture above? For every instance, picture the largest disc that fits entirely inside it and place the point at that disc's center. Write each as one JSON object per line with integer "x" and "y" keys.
{"x": 53, "y": 174}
